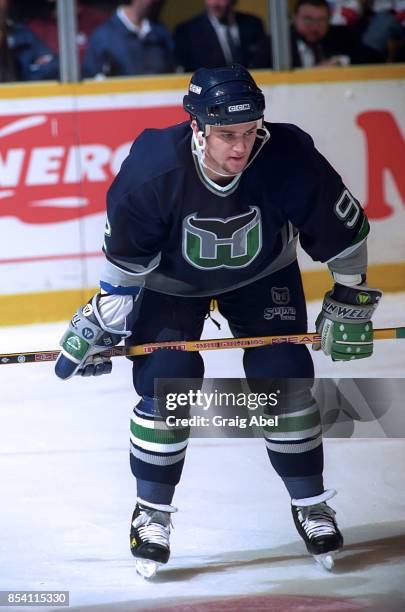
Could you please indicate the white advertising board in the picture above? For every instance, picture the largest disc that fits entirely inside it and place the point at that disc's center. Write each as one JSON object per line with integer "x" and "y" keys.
{"x": 58, "y": 155}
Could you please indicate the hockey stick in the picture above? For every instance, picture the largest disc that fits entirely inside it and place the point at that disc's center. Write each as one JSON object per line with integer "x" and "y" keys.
{"x": 389, "y": 333}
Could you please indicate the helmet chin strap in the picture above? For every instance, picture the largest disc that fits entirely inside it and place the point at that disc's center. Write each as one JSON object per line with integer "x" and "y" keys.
{"x": 200, "y": 144}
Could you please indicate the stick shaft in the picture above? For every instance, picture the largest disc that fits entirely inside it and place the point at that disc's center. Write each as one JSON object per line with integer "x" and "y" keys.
{"x": 390, "y": 333}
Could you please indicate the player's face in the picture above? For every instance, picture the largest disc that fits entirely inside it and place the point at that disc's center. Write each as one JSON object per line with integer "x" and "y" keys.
{"x": 229, "y": 147}
{"x": 312, "y": 22}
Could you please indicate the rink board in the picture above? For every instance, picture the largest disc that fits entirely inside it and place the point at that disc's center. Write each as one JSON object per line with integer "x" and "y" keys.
{"x": 62, "y": 145}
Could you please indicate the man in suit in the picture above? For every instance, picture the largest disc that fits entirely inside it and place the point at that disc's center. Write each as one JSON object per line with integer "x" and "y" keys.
{"x": 130, "y": 43}
{"x": 314, "y": 42}
{"x": 221, "y": 36}
{"x": 23, "y": 56}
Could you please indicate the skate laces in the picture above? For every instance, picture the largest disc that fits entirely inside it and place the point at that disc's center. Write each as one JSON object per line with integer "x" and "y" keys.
{"x": 153, "y": 526}
{"x": 317, "y": 520}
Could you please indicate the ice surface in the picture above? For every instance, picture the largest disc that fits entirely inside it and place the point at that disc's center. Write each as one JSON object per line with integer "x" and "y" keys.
{"x": 67, "y": 493}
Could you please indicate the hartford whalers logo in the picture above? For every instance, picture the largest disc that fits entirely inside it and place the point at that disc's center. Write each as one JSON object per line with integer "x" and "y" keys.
{"x": 215, "y": 243}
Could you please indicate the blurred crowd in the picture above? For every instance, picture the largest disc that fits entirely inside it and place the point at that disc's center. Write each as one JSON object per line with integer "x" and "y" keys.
{"x": 130, "y": 38}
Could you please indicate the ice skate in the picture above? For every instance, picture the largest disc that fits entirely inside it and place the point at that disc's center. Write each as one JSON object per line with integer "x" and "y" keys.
{"x": 316, "y": 524}
{"x": 149, "y": 537}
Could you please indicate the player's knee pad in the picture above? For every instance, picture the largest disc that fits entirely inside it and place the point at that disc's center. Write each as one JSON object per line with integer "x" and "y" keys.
{"x": 281, "y": 360}
{"x": 285, "y": 370}
{"x": 293, "y": 395}
{"x": 148, "y": 407}
{"x": 165, "y": 364}
{"x": 159, "y": 408}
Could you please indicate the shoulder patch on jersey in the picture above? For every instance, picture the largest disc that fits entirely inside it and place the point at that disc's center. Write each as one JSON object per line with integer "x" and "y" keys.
{"x": 213, "y": 243}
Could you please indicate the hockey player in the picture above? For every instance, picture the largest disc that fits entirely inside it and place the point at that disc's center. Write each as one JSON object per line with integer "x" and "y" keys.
{"x": 215, "y": 211}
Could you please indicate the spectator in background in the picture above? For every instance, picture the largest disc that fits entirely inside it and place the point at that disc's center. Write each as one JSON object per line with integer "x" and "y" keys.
{"x": 383, "y": 31}
{"x": 345, "y": 12}
{"x": 221, "y": 36}
{"x": 8, "y": 68}
{"x": 23, "y": 56}
{"x": 45, "y": 26}
{"x": 130, "y": 43}
{"x": 396, "y": 7}
{"x": 314, "y": 42}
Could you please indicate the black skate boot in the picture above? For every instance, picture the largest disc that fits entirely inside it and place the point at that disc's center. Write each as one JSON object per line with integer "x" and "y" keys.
{"x": 149, "y": 537}
{"x": 316, "y": 524}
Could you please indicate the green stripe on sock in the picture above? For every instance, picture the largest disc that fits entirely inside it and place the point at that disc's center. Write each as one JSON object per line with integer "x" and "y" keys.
{"x": 291, "y": 424}
{"x": 159, "y": 436}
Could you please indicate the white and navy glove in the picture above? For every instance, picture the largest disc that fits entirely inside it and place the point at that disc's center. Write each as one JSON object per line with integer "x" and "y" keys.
{"x": 344, "y": 323}
{"x": 97, "y": 326}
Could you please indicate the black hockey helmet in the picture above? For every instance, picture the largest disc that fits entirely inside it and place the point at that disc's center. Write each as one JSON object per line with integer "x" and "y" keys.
{"x": 223, "y": 96}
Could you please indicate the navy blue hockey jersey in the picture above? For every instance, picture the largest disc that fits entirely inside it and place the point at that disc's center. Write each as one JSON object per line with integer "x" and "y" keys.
{"x": 169, "y": 228}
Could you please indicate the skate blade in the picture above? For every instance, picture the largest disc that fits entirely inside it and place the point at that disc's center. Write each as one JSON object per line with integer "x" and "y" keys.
{"x": 146, "y": 568}
{"x": 326, "y": 560}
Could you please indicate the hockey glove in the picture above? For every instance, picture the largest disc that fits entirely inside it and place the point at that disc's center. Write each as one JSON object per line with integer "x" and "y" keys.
{"x": 345, "y": 322}
{"x": 94, "y": 328}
